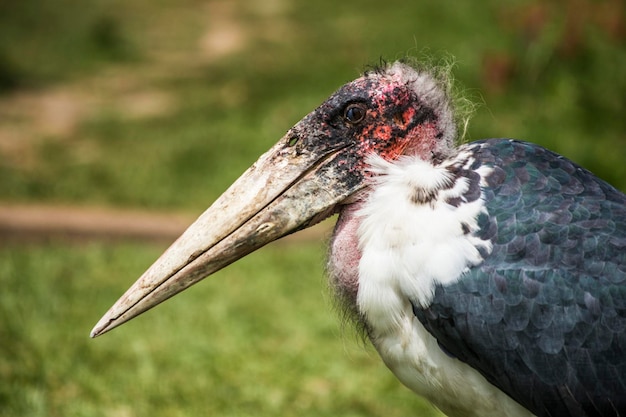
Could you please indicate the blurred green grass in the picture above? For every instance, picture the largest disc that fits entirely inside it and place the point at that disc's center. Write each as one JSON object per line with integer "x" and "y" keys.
{"x": 259, "y": 339}
{"x": 228, "y": 79}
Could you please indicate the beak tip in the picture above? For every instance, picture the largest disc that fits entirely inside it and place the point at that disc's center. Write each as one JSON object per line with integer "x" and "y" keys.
{"x": 97, "y": 331}
{"x": 103, "y": 326}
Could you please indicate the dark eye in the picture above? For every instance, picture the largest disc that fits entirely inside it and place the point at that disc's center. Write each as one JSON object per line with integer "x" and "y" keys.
{"x": 354, "y": 113}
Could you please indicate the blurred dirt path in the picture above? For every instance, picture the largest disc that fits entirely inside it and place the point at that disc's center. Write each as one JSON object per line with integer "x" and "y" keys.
{"x": 43, "y": 223}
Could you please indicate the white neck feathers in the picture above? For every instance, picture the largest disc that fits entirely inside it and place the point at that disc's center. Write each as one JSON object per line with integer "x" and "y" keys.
{"x": 410, "y": 237}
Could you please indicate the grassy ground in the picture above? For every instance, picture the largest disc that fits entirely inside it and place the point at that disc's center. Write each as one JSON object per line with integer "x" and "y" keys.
{"x": 259, "y": 339}
{"x": 160, "y": 105}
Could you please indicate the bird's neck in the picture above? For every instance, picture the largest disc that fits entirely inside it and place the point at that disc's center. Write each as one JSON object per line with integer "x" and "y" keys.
{"x": 399, "y": 210}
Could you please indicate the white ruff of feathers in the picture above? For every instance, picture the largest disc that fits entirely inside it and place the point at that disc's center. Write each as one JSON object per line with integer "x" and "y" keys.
{"x": 412, "y": 240}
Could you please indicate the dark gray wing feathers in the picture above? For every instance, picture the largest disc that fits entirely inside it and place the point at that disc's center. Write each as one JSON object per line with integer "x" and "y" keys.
{"x": 544, "y": 316}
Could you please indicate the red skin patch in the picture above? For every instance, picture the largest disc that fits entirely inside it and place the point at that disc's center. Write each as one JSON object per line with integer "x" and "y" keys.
{"x": 422, "y": 140}
{"x": 390, "y": 134}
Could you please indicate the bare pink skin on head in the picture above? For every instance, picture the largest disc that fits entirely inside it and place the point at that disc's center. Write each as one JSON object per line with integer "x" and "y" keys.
{"x": 396, "y": 122}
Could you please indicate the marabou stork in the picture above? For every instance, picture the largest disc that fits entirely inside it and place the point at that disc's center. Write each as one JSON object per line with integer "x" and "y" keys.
{"x": 490, "y": 276}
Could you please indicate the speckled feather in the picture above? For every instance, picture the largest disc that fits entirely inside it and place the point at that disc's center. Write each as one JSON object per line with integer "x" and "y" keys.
{"x": 544, "y": 316}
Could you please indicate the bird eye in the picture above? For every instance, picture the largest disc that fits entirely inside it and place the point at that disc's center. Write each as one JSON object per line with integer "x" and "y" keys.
{"x": 354, "y": 113}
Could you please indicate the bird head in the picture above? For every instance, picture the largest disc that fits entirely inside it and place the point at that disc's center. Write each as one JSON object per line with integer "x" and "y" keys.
{"x": 316, "y": 168}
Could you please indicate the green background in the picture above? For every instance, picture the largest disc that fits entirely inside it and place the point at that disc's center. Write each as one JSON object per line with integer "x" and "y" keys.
{"x": 160, "y": 105}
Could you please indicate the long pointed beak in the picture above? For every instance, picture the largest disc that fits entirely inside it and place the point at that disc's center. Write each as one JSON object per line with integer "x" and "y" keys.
{"x": 286, "y": 190}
